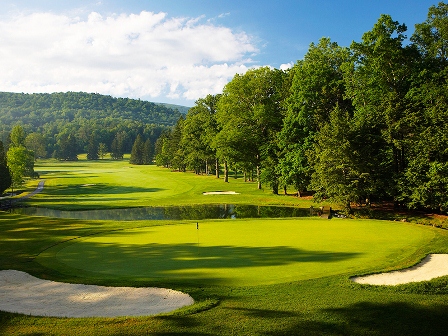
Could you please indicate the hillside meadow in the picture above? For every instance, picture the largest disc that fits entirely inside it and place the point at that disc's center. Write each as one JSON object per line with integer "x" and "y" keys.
{"x": 278, "y": 276}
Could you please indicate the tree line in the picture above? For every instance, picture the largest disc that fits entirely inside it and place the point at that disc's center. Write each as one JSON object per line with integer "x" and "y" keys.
{"x": 353, "y": 124}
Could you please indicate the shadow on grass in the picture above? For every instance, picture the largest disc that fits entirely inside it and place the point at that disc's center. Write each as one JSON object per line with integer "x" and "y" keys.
{"x": 94, "y": 189}
{"x": 185, "y": 263}
{"x": 368, "y": 318}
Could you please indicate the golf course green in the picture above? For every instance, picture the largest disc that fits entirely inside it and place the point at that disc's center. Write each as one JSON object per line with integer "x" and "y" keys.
{"x": 239, "y": 252}
{"x": 257, "y": 276}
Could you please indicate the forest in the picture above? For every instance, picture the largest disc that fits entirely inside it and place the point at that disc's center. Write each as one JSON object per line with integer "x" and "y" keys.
{"x": 353, "y": 125}
{"x": 84, "y": 119}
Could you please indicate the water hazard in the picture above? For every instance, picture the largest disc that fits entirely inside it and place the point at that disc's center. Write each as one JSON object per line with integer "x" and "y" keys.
{"x": 195, "y": 212}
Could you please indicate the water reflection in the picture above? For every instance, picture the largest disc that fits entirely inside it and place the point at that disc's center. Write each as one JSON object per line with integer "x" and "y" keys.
{"x": 195, "y": 212}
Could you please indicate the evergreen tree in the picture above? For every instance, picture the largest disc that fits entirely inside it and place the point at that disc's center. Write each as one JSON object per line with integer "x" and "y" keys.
{"x": 92, "y": 150}
{"x": 117, "y": 147}
{"x": 137, "y": 151}
{"x": 147, "y": 152}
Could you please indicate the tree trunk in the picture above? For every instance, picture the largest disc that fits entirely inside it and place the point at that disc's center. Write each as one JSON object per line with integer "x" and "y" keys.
{"x": 285, "y": 191}
{"x": 226, "y": 172}
{"x": 258, "y": 177}
{"x": 217, "y": 167}
{"x": 275, "y": 188}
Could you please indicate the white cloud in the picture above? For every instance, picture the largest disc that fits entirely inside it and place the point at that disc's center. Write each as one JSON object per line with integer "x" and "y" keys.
{"x": 286, "y": 66}
{"x": 147, "y": 55}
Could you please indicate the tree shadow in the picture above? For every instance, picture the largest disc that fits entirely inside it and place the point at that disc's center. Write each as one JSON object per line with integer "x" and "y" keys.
{"x": 367, "y": 318}
{"x": 186, "y": 263}
{"x": 86, "y": 189}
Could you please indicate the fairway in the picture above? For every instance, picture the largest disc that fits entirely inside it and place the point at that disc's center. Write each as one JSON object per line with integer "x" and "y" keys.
{"x": 239, "y": 252}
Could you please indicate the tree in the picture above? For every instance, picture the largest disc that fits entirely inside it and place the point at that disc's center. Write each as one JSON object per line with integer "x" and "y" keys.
{"x": 67, "y": 148}
{"x": 37, "y": 143}
{"x": 5, "y": 175}
{"x": 102, "y": 150}
{"x": 17, "y": 136}
{"x": 147, "y": 152}
{"x": 20, "y": 163}
{"x": 249, "y": 115}
{"x": 335, "y": 175}
{"x": 431, "y": 36}
{"x": 424, "y": 183}
{"x": 378, "y": 82}
{"x": 117, "y": 147}
{"x": 92, "y": 149}
{"x": 137, "y": 151}
{"x": 198, "y": 132}
{"x": 316, "y": 89}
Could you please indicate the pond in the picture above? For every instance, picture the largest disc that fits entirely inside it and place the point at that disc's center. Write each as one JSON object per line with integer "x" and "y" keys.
{"x": 194, "y": 212}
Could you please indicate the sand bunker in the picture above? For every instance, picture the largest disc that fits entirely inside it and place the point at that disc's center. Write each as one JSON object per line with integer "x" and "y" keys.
{"x": 25, "y": 294}
{"x": 433, "y": 266}
{"x": 220, "y": 193}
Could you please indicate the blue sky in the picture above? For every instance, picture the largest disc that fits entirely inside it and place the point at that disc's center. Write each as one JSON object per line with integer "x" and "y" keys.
{"x": 171, "y": 51}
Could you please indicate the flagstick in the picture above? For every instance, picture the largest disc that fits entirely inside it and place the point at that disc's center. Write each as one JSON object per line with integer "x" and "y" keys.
{"x": 197, "y": 231}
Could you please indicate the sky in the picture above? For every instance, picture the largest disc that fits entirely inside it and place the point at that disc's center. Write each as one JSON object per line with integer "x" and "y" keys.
{"x": 172, "y": 51}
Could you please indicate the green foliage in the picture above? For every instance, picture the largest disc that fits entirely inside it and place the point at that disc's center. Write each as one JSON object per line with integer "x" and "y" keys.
{"x": 17, "y": 136}
{"x": 199, "y": 130}
{"x": 37, "y": 143}
{"x": 20, "y": 163}
{"x": 137, "y": 151}
{"x": 5, "y": 175}
{"x": 317, "y": 88}
{"x": 249, "y": 116}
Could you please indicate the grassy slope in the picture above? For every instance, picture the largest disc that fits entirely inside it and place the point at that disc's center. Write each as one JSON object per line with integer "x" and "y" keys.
{"x": 329, "y": 305}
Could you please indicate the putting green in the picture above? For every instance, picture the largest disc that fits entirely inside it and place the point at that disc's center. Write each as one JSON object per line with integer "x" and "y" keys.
{"x": 240, "y": 252}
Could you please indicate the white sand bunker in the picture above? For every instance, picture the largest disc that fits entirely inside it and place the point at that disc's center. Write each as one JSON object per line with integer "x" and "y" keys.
{"x": 25, "y": 294}
{"x": 433, "y": 266}
{"x": 220, "y": 193}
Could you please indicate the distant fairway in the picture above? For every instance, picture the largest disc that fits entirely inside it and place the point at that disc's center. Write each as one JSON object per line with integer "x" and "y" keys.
{"x": 239, "y": 252}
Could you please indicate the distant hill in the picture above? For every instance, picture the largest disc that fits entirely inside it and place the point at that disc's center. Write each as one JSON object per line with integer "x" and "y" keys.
{"x": 83, "y": 114}
{"x": 180, "y": 108}
{"x": 38, "y": 109}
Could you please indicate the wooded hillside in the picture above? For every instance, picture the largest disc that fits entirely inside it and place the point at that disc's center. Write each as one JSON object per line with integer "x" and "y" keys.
{"x": 83, "y": 115}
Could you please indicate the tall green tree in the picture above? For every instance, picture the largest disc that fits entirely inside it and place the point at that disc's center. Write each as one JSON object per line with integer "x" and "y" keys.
{"x": 37, "y": 143}
{"x": 102, "y": 150}
{"x": 17, "y": 136}
{"x": 378, "y": 82}
{"x": 147, "y": 152}
{"x": 249, "y": 114}
{"x": 67, "y": 148}
{"x": 5, "y": 175}
{"x": 92, "y": 149}
{"x": 198, "y": 133}
{"x": 137, "y": 151}
{"x": 425, "y": 181}
{"x": 431, "y": 36}
{"x": 20, "y": 163}
{"x": 317, "y": 88}
{"x": 118, "y": 145}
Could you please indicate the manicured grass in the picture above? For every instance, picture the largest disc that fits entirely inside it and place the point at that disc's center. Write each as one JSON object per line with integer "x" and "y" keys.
{"x": 106, "y": 183}
{"x": 248, "y": 277}
{"x": 240, "y": 252}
